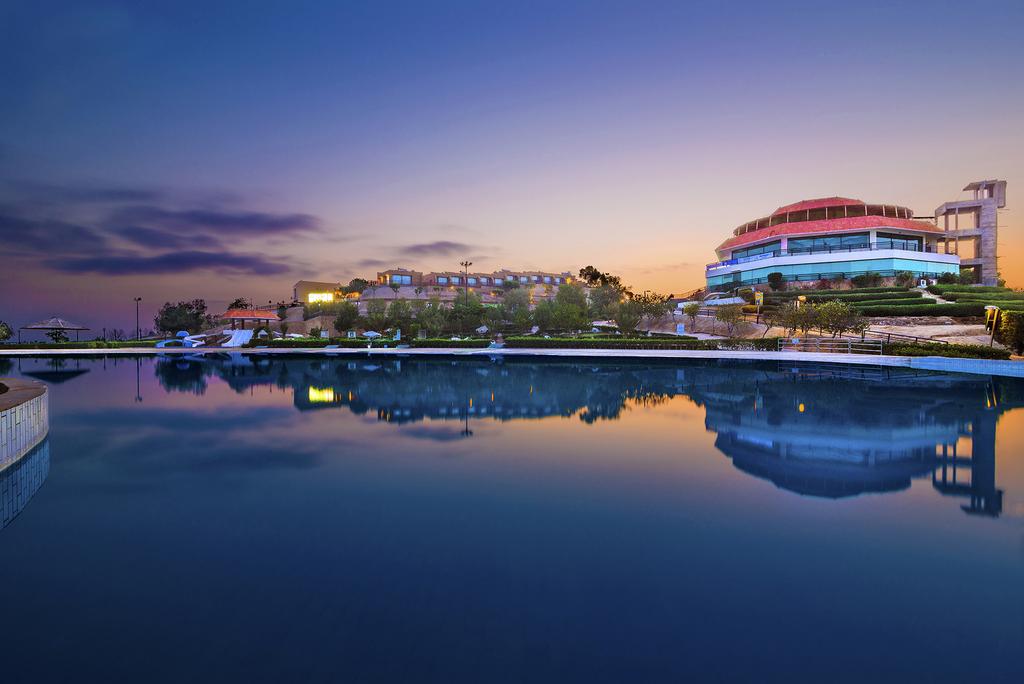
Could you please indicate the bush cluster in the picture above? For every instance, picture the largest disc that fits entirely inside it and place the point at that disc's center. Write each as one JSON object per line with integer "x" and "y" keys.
{"x": 90, "y": 344}
{"x": 964, "y": 310}
{"x": 963, "y": 351}
{"x": 681, "y": 343}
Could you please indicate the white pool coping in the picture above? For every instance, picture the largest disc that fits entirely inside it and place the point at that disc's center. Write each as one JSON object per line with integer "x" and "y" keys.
{"x": 1013, "y": 369}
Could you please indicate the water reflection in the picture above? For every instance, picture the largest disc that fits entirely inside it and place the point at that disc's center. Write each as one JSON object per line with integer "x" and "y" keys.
{"x": 21, "y": 480}
{"x": 824, "y": 431}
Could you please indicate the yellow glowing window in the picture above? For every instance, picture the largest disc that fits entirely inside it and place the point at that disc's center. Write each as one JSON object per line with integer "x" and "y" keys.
{"x": 321, "y": 297}
{"x": 321, "y": 396}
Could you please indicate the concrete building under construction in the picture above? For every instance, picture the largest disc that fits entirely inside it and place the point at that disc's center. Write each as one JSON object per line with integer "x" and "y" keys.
{"x": 971, "y": 228}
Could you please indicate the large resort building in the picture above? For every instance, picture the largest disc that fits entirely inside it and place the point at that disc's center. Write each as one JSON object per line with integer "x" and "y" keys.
{"x": 831, "y": 239}
{"x": 501, "y": 278}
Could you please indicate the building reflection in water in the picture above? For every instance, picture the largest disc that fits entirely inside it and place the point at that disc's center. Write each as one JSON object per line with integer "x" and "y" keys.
{"x": 826, "y": 431}
{"x": 20, "y": 480}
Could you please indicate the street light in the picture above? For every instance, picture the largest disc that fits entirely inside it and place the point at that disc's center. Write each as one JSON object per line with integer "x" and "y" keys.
{"x": 465, "y": 277}
{"x": 138, "y": 333}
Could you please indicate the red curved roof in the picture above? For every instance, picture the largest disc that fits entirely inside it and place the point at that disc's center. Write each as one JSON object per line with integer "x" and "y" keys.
{"x": 251, "y": 314}
{"x": 820, "y": 203}
{"x": 836, "y": 225}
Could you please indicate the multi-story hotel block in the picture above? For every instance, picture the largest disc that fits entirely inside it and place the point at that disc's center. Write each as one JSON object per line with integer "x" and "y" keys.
{"x": 831, "y": 238}
{"x": 402, "y": 276}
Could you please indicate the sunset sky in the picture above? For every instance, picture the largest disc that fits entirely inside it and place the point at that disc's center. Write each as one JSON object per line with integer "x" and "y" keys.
{"x": 197, "y": 149}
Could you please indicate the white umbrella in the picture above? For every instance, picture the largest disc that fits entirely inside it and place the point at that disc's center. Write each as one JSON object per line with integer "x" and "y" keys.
{"x": 371, "y": 334}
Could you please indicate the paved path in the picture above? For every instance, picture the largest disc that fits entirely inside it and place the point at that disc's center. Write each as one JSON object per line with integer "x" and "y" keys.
{"x": 936, "y": 363}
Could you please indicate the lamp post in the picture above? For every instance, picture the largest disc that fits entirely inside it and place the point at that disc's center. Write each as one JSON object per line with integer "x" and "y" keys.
{"x": 465, "y": 278}
{"x": 138, "y": 332}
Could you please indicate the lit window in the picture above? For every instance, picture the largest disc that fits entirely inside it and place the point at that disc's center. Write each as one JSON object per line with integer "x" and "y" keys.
{"x": 442, "y": 280}
{"x": 320, "y": 297}
{"x": 321, "y": 396}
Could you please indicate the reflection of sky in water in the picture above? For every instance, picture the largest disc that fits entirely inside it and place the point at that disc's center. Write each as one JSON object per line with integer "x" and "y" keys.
{"x": 480, "y": 521}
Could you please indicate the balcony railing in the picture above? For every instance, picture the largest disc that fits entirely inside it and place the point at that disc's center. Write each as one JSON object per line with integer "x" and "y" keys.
{"x": 908, "y": 247}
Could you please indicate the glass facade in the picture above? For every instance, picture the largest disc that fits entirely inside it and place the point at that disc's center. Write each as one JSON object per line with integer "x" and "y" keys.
{"x": 767, "y": 248}
{"x": 834, "y": 270}
{"x": 827, "y": 243}
{"x": 896, "y": 241}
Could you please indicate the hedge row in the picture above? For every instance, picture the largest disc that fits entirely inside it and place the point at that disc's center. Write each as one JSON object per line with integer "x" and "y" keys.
{"x": 964, "y": 351}
{"x": 940, "y": 289}
{"x": 638, "y": 343}
{"x": 91, "y": 344}
{"x": 865, "y": 296}
{"x": 913, "y": 301}
{"x": 790, "y": 294}
{"x": 925, "y": 310}
{"x": 988, "y": 296}
{"x": 455, "y": 344}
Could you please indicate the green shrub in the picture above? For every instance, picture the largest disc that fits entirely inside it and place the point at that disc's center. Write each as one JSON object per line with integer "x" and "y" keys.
{"x": 1011, "y": 330}
{"x": 940, "y": 289}
{"x": 867, "y": 280}
{"x": 792, "y": 294}
{"x": 925, "y": 310}
{"x": 84, "y": 344}
{"x": 913, "y": 295}
{"x": 453, "y": 344}
{"x": 910, "y": 301}
{"x": 987, "y": 296}
{"x": 963, "y": 351}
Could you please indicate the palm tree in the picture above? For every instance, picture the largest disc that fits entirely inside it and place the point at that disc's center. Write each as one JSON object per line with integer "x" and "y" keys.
{"x": 418, "y": 291}
{"x": 395, "y": 287}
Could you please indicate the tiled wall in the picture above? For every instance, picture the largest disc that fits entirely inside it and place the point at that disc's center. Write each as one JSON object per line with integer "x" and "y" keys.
{"x": 21, "y": 480}
{"x": 22, "y": 427}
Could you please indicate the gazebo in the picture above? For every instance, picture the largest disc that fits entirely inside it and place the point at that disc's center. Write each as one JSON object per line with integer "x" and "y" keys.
{"x": 243, "y": 315}
{"x": 51, "y": 324}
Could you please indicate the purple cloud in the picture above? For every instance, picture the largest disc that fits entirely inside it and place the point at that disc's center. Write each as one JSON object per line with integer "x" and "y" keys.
{"x": 437, "y": 248}
{"x": 171, "y": 262}
{"x": 206, "y": 220}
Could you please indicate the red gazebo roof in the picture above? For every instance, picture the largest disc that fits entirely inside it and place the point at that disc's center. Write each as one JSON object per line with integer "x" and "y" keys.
{"x": 251, "y": 314}
{"x": 820, "y": 203}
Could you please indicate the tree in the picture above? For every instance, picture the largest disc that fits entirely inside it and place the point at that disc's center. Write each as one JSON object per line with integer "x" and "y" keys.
{"x": 190, "y": 316}
{"x": 595, "y": 278}
{"x": 58, "y": 336}
{"x": 968, "y": 276}
{"x": 571, "y": 308}
{"x": 627, "y": 316}
{"x": 347, "y": 315}
{"x": 418, "y": 291}
{"x": 433, "y": 317}
{"x": 516, "y": 306}
{"x": 691, "y": 309}
{"x": 603, "y": 300}
{"x": 776, "y": 281}
{"x": 467, "y": 313}
{"x": 838, "y": 317}
{"x": 5, "y": 331}
{"x": 399, "y": 314}
{"x": 395, "y": 287}
{"x": 357, "y": 285}
{"x": 376, "y": 314}
{"x": 652, "y": 305}
{"x": 240, "y": 303}
{"x": 866, "y": 280}
{"x": 544, "y": 316}
{"x": 730, "y": 315}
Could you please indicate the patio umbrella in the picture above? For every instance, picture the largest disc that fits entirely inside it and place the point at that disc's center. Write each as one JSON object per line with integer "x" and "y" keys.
{"x": 54, "y": 323}
{"x": 371, "y": 334}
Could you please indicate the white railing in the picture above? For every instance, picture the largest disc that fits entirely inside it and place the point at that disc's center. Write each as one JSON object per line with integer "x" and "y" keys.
{"x": 830, "y": 345}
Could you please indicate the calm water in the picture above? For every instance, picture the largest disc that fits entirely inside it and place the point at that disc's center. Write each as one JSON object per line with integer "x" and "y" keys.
{"x": 354, "y": 519}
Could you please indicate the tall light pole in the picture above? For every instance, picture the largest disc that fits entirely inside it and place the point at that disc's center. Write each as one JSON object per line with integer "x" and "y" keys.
{"x": 138, "y": 332}
{"x": 465, "y": 278}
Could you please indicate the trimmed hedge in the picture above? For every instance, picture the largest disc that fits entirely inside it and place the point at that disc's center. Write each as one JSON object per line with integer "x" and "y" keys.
{"x": 867, "y": 296}
{"x": 963, "y": 351}
{"x": 638, "y": 343}
{"x": 988, "y": 296}
{"x": 939, "y": 289}
{"x": 790, "y": 294}
{"x": 91, "y": 344}
{"x": 343, "y": 343}
{"x": 925, "y": 310}
{"x": 912, "y": 301}
{"x": 454, "y": 344}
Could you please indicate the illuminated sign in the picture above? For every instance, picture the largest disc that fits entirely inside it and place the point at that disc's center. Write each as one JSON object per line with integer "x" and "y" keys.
{"x": 321, "y": 396}
{"x": 320, "y": 297}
